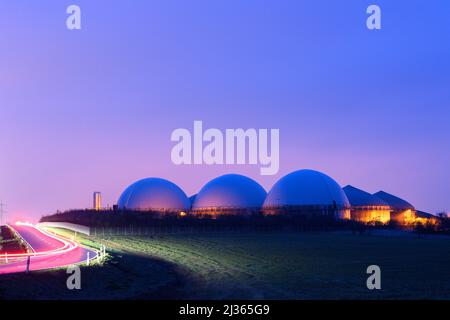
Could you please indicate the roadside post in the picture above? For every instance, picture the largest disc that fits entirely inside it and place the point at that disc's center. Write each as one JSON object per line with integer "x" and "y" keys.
{"x": 28, "y": 264}
{"x": 87, "y": 259}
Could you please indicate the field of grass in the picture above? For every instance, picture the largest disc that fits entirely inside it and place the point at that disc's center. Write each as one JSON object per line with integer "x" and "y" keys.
{"x": 301, "y": 265}
{"x": 232, "y": 265}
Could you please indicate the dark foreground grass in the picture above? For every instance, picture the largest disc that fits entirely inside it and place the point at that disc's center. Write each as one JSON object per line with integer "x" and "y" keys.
{"x": 122, "y": 276}
{"x": 303, "y": 265}
{"x": 252, "y": 266}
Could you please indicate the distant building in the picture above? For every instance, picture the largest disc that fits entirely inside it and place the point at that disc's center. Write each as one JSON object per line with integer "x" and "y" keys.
{"x": 154, "y": 194}
{"x": 97, "y": 200}
{"x": 230, "y": 194}
{"x": 425, "y": 215}
{"x": 307, "y": 192}
{"x": 367, "y": 208}
{"x": 402, "y": 211}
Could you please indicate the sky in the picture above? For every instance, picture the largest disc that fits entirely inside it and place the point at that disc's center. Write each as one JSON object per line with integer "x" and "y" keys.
{"x": 93, "y": 109}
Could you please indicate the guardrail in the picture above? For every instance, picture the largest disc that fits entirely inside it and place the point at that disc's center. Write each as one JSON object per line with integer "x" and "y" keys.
{"x": 100, "y": 252}
{"x": 66, "y": 225}
{"x": 68, "y": 245}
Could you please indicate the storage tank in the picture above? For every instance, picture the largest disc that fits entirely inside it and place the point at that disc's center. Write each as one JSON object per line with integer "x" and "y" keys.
{"x": 307, "y": 192}
{"x": 229, "y": 194}
{"x": 154, "y": 194}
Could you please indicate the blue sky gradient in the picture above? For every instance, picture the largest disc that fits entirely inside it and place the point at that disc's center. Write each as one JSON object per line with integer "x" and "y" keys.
{"x": 94, "y": 109}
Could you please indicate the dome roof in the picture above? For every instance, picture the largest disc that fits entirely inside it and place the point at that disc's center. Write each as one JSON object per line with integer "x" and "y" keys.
{"x": 154, "y": 193}
{"x": 393, "y": 201}
{"x": 230, "y": 191}
{"x": 360, "y": 198}
{"x": 192, "y": 198}
{"x": 306, "y": 188}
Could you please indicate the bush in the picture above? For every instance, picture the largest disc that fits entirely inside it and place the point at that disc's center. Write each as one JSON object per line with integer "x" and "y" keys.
{"x": 172, "y": 221}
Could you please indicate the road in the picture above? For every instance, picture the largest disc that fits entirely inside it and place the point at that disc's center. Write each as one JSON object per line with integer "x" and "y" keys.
{"x": 49, "y": 251}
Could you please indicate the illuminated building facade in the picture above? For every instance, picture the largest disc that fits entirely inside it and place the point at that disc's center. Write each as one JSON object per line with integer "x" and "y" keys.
{"x": 367, "y": 208}
{"x": 402, "y": 211}
{"x": 97, "y": 200}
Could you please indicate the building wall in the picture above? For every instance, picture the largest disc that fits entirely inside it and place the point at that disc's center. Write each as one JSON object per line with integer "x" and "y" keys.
{"x": 404, "y": 216}
{"x": 97, "y": 200}
{"x": 344, "y": 214}
{"x": 226, "y": 211}
{"x": 339, "y": 213}
{"x": 367, "y": 215}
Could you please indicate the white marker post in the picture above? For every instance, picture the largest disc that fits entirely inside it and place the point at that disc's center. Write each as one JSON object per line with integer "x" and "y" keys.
{"x": 87, "y": 259}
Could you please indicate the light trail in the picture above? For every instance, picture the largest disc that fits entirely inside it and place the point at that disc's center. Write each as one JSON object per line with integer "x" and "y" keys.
{"x": 49, "y": 251}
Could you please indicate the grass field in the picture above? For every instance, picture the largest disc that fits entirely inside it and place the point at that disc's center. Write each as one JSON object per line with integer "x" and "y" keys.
{"x": 302, "y": 265}
{"x": 251, "y": 266}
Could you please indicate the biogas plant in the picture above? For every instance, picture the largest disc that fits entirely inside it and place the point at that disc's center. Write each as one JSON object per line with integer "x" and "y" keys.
{"x": 306, "y": 193}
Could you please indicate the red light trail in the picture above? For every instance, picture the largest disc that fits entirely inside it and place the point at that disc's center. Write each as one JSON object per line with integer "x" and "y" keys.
{"x": 49, "y": 251}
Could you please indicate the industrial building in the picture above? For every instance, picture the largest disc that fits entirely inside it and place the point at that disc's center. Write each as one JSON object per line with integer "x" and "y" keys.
{"x": 402, "y": 211}
{"x": 97, "y": 200}
{"x": 307, "y": 192}
{"x": 302, "y": 192}
{"x": 154, "y": 194}
{"x": 229, "y": 194}
{"x": 367, "y": 208}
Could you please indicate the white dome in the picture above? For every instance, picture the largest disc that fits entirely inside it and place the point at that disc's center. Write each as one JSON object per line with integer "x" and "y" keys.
{"x": 230, "y": 191}
{"x": 154, "y": 194}
{"x": 306, "y": 188}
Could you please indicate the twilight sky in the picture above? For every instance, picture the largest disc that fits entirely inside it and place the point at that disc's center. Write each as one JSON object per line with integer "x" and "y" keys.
{"x": 94, "y": 109}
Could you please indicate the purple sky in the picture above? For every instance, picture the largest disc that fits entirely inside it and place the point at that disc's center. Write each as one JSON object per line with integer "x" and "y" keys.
{"x": 91, "y": 110}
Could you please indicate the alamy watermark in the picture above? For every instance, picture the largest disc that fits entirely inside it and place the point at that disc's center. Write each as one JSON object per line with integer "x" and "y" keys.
{"x": 73, "y": 22}
{"x": 374, "y": 280}
{"x": 373, "y": 22}
{"x": 74, "y": 280}
{"x": 236, "y": 146}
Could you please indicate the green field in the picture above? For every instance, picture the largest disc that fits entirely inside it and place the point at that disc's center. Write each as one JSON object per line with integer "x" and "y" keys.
{"x": 301, "y": 265}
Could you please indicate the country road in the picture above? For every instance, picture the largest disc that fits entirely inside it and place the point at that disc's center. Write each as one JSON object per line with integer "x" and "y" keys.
{"x": 49, "y": 251}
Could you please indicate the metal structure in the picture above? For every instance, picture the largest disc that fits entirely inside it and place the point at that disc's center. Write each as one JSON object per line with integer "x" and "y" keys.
{"x": 154, "y": 194}
{"x": 2, "y": 212}
{"x": 307, "y": 192}
{"x": 229, "y": 194}
{"x": 97, "y": 200}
